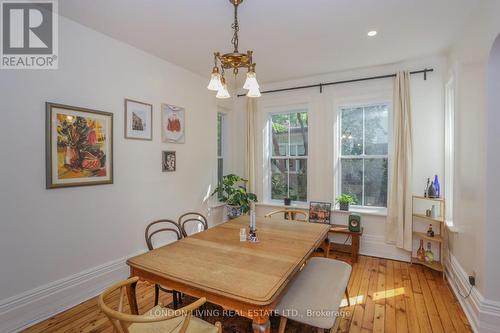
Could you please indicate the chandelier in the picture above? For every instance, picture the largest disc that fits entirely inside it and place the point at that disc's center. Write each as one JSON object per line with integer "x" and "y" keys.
{"x": 234, "y": 60}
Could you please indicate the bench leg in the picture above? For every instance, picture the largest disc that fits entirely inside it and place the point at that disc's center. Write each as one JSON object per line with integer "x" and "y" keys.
{"x": 347, "y": 295}
{"x": 282, "y": 325}
{"x": 335, "y": 327}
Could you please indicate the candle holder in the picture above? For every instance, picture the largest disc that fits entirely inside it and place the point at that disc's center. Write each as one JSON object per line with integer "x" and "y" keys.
{"x": 252, "y": 235}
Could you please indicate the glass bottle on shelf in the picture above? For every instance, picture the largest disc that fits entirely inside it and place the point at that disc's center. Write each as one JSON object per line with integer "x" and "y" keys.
{"x": 430, "y": 232}
{"x": 437, "y": 186}
{"x": 421, "y": 251}
{"x": 427, "y": 187}
{"x": 429, "y": 256}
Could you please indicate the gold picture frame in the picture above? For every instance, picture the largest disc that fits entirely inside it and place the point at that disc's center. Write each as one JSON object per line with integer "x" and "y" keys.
{"x": 79, "y": 146}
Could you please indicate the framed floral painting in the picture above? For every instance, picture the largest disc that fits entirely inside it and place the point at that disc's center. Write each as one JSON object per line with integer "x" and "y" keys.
{"x": 79, "y": 146}
{"x": 138, "y": 120}
{"x": 173, "y": 123}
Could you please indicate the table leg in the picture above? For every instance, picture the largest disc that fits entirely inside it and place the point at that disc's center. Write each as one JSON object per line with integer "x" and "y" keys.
{"x": 261, "y": 325}
{"x": 355, "y": 248}
{"x": 132, "y": 300}
{"x": 327, "y": 248}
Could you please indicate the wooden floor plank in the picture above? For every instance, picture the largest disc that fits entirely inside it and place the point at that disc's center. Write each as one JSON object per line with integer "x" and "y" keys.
{"x": 388, "y": 296}
{"x": 380, "y": 298}
{"x": 359, "y": 308}
{"x": 399, "y": 300}
{"x": 390, "y": 301}
{"x": 432, "y": 312}
{"x": 369, "y": 314}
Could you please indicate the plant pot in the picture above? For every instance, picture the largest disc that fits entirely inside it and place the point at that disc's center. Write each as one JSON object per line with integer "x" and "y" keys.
{"x": 234, "y": 211}
{"x": 344, "y": 206}
{"x": 287, "y": 201}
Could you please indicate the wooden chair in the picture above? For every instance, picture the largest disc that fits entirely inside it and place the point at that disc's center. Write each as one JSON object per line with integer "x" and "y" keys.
{"x": 290, "y": 214}
{"x": 165, "y": 226}
{"x": 189, "y": 218}
{"x": 158, "y": 319}
{"x": 319, "y": 286}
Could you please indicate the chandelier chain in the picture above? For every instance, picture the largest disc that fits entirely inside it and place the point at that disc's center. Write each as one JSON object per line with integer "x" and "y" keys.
{"x": 236, "y": 28}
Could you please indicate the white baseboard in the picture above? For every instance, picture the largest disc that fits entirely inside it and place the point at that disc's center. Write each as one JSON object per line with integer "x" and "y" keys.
{"x": 30, "y": 307}
{"x": 376, "y": 246}
{"x": 483, "y": 314}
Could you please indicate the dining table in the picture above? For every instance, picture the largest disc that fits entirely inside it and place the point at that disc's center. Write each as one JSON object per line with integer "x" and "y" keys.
{"x": 246, "y": 277}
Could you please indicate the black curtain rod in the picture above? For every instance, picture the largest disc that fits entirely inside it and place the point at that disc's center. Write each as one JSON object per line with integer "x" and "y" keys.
{"x": 321, "y": 85}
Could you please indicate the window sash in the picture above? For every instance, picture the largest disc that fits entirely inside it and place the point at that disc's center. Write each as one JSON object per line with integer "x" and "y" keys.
{"x": 287, "y": 156}
{"x": 362, "y": 156}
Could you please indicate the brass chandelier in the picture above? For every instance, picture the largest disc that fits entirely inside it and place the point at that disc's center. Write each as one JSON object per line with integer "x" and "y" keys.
{"x": 234, "y": 60}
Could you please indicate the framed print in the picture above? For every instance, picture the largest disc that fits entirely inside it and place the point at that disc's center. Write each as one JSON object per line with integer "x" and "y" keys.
{"x": 320, "y": 212}
{"x": 79, "y": 146}
{"x": 168, "y": 161}
{"x": 138, "y": 120}
{"x": 173, "y": 123}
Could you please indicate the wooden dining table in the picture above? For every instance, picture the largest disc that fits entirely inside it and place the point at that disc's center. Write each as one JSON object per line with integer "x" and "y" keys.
{"x": 245, "y": 277}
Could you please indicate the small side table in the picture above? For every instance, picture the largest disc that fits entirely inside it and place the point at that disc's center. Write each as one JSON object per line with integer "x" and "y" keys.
{"x": 353, "y": 248}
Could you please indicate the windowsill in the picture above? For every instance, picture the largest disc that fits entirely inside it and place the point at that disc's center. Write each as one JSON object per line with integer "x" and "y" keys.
{"x": 304, "y": 206}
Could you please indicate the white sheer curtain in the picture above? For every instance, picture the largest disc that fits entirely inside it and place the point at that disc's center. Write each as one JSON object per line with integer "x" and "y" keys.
{"x": 398, "y": 229}
{"x": 250, "y": 143}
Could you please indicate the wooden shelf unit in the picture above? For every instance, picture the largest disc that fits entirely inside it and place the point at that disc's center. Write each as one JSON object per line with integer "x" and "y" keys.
{"x": 439, "y": 238}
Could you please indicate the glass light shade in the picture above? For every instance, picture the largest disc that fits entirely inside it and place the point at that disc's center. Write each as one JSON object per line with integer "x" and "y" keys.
{"x": 254, "y": 92}
{"x": 223, "y": 92}
{"x": 251, "y": 82}
{"x": 215, "y": 83}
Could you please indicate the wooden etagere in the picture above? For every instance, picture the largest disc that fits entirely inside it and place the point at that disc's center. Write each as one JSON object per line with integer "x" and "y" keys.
{"x": 438, "y": 227}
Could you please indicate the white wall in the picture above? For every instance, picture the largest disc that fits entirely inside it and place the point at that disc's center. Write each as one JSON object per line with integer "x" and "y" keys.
{"x": 492, "y": 249}
{"x": 474, "y": 248}
{"x": 48, "y": 235}
{"x": 428, "y": 123}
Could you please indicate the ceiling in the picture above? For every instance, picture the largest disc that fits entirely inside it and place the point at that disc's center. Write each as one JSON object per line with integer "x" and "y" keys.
{"x": 290, "y": 38}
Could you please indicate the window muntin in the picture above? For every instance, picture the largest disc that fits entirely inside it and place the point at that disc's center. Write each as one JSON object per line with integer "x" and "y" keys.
{"x": 364, "y": 146}
{"x": 288, "y": 160}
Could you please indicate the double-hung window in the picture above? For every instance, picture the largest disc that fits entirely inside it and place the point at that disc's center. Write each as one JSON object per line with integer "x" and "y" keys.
{"x": 288, "y": 155}
{"x": 363, "y": 153}
{"x": 220, "y": 145}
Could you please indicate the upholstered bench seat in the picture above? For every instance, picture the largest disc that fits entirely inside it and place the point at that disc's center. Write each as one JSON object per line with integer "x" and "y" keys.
{"x": 315, "y": 295}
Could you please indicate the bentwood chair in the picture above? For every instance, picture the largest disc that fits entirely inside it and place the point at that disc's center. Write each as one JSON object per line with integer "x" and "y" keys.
{"x": 158, "y": 319}
{"x": 165, "y": 227}
{"x": 289, "y": 214}
{"x": 190, "y": 219}
{"x": 319, "y": 286}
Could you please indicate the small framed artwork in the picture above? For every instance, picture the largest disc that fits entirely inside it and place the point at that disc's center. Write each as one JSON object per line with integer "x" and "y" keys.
{"x": 138, "y": 120}
{"x": 168, "y": 161}
{"x": 319, "y": 212}
{"x": 79, "y": 146}
{"x": 173, "y": 123}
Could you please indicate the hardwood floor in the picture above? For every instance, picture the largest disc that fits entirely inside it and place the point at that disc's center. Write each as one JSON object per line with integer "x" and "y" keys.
{"x": 386, "y": 296}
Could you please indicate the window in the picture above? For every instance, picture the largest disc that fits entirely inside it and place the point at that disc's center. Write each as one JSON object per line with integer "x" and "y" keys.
{"x": 364, "y": 146}
{"x": 220, "y": 145}
{"x": 449, "y": 134}
{"x": 288, "y": 156}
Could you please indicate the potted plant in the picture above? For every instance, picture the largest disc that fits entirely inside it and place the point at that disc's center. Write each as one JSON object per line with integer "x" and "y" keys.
{"x": 232, "y": 190}
{"x": 345, "y": 200}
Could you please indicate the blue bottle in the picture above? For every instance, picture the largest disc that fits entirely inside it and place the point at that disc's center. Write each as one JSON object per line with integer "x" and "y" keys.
{"x": 437, "y": 186}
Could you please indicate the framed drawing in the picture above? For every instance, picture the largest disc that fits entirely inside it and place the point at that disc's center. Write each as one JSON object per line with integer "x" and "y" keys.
{"x": 173, "y": 123}
{"x": 138, "y": 120}
{"x": 168, "y": 161}
{"x": 320, "y": 212}
{"x": 79, "y": 146}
